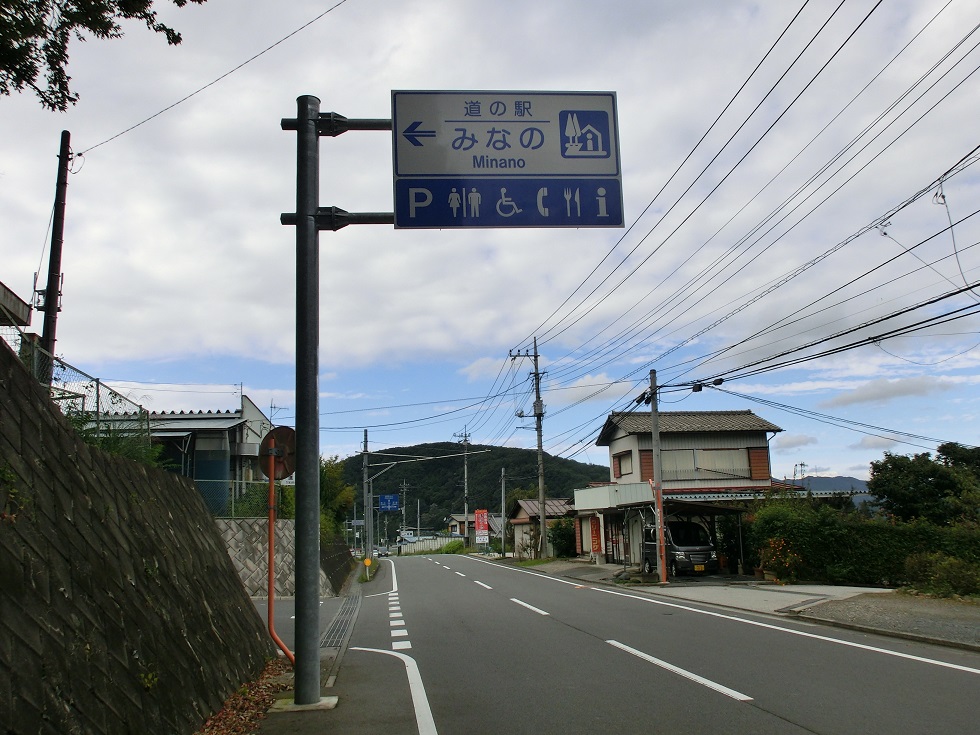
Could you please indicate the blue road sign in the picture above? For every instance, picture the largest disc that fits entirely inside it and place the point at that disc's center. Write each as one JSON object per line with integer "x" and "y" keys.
{"x": 388, "y": 502}
{"x": 506, "y": 159}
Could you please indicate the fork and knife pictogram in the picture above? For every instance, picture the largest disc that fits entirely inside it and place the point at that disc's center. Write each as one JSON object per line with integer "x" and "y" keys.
{"x": 568, "y": 202}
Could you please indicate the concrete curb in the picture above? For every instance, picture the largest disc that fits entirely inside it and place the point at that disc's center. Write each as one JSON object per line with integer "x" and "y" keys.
{"x": 917, "y": 637}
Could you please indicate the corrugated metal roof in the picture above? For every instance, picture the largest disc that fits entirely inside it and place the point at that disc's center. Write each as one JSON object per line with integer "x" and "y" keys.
{"x": 553, "y": 507}
{"x": 194, "y": 421}
{"x": 681, "y": 422}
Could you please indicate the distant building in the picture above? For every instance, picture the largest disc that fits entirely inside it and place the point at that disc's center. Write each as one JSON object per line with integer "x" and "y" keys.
{"x": 706, "y": 457}
{"x": 525, "y": 517}
{"x": 701, "y": 452}
{"x": 219, "y": 450}
{"x": 455, "y": 525}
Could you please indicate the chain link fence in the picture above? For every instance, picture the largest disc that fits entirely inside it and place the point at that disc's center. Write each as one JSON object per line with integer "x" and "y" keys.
{"x": 102, "y": 416}
{"x": 113, "y": 422}
{"x": 239, "y": 499}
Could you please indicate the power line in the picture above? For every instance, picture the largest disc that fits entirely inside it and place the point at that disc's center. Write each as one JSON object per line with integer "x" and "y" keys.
{"x": 608, "y": 347}
{"x": 214, "y": 81}
{"x": 721, "y": 181}
{"x": 667, "y": 183}
{"x": 851, "y": 425}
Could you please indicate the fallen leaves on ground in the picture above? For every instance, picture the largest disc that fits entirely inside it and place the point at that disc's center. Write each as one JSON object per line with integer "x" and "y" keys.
{"x": 243, "y": 710}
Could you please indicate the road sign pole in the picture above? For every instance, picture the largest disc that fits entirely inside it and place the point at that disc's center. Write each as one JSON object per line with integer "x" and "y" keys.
{"x": 307, "y": 674}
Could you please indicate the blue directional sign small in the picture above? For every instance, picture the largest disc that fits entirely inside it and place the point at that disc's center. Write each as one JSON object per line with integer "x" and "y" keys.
{"x": 506, "y": 159}
{"x": 388, "y": 502}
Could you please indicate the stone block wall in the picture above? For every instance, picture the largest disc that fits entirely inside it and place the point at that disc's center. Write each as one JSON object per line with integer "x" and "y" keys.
{"x": 247, "y": 540}
{"x": 120, "y": 609}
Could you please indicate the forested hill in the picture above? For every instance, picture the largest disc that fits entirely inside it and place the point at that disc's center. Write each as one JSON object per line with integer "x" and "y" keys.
{"x": 438, "y": 483}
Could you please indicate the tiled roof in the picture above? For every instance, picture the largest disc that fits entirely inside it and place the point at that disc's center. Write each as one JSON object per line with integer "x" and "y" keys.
{"x": 680, "y": 422}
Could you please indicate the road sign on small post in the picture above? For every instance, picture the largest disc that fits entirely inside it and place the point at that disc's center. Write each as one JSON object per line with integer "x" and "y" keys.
{"x": 506, "y": 159}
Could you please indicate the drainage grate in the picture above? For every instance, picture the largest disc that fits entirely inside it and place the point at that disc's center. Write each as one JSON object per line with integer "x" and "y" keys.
{"x": 339, "y": 629}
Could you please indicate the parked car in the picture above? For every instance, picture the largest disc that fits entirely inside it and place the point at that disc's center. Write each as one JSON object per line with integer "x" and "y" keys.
{"x": 689, "y": 549}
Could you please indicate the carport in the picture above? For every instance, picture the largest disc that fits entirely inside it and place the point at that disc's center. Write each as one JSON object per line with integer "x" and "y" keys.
{"x": 642, "y": 515}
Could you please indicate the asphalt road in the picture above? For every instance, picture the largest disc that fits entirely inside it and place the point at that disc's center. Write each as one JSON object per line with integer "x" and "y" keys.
{"x": 451, "y": 644}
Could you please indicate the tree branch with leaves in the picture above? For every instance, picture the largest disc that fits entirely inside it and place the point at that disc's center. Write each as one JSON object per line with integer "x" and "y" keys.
{"x": 35, "y": 35}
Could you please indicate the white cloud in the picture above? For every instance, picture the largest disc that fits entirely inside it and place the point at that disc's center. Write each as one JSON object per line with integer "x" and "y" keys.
{"x": 174, "y": 253}
{"x": 884, "y": 391}
{"x": 786, "y": 442}
{"x": 876, "y": 443}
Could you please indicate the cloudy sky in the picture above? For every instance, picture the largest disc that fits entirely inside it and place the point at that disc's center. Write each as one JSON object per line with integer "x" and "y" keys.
{"x": 790, "y": 171}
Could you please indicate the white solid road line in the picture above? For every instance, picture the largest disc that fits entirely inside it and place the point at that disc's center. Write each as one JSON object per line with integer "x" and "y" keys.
{"x": 791, "y": 631}
{"x": 744, "y": 621}
{"x": 682, "y": 672}
{"x": 423, "y": 713}
{"x": 394, "y": 582}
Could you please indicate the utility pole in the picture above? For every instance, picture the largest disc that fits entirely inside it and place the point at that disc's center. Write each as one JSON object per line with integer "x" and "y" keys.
{"x": 52, "y": 294}
{"x": 404, "y": 488}
{"x": 658, "y": 486}
{"x": 368, "y": 537}
{"x": 466, "y": 486}
{"x": 538, "y": 418}
{"x": 503, "y": 511}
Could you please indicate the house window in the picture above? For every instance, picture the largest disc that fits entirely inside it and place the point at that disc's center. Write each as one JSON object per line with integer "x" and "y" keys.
{"x": 622, "y": 464}
{"x": 722, "y": 464}
{"x": 678, "y": 464}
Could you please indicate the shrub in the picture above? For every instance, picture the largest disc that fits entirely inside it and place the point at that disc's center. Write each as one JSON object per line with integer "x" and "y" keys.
{"x": 561, "y": 534}
{"x": 943, "y": 575}
{"x": 779, "y": 558}
{"x": 455, "y": 546}
{"x": 845, "y": 548}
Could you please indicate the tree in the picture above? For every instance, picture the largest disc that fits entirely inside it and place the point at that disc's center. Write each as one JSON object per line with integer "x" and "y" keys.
{"x": 34, "y": 37}
{"x": 561, "y": 534}
{"x": 336, "y": 497}
{"x": 939, "y": 491}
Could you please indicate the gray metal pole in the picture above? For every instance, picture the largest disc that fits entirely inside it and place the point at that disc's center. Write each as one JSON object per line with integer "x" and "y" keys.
{"x": 538, "y": 417}
{"x": 307, "y": 675}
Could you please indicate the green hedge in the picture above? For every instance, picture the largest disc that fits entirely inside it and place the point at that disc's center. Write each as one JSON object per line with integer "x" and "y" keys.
{"x": 819, "y": 543}
{"x": 455, "y": 546}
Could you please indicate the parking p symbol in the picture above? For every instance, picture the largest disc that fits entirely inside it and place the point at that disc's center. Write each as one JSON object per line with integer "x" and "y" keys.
{"x": 418, "y": 198}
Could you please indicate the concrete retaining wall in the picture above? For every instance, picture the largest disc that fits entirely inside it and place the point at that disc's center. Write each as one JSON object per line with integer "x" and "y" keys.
{"x": 120, "y": 610}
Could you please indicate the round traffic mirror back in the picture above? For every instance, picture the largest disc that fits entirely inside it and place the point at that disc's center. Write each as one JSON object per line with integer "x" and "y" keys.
{"x": 281, "y": 443}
